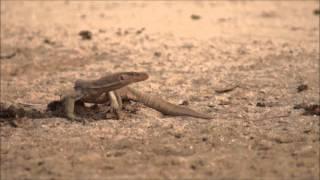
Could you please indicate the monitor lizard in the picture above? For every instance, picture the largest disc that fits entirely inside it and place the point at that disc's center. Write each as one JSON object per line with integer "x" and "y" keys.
{"x": 90, "y": 90}
{"x": 113, "y": 88}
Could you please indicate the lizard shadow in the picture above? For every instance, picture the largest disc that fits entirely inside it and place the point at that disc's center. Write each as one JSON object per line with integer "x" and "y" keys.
{"x": 90, "y": 112}
{"x": 12, "y": 114}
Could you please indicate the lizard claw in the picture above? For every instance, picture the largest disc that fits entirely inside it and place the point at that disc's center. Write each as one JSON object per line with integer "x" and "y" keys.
{"x": 76, "y": 118}
{"x": 117, "y": 113}
{"x": 81, "y": 120}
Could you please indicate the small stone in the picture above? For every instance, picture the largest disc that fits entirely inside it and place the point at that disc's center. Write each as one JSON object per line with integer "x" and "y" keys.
{"x": 177, "y": 135}
{"x": 195, "y": 17}
{"x": 48, "y": 41}
{"x": 193, "y": 167}
{"x": 157, "y": 54}
{"x": 204, "y": 139}
{"x": 260, "y": 104}
{"x": 140, "y": 30}
{"x": 85, "y": 35}
{"x": 302, "y": 87}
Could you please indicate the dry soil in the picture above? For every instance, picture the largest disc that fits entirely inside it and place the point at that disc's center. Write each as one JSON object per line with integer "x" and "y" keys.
{"x": 190, "y": 50}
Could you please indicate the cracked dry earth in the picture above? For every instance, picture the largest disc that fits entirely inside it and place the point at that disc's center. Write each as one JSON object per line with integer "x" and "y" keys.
{"x": 190, "y": 50}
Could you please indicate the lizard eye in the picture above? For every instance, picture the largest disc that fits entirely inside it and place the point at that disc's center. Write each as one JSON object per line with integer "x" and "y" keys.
{"x": 122, "y": 78}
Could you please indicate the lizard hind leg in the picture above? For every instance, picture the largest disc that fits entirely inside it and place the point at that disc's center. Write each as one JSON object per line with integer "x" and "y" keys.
{"x": 115, "y": 103}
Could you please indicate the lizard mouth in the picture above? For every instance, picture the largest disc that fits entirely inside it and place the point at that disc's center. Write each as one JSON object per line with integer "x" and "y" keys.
{"x": 142, "y": 77}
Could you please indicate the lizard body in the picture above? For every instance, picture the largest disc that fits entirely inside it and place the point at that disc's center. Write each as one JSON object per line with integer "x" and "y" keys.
{"x": 154, "y": 102}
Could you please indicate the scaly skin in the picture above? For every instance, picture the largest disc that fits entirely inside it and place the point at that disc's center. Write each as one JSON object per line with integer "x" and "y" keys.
{"x": 161, "y": 105}
{"x": 90, "y": 90}
{"x": 154, "y": 102}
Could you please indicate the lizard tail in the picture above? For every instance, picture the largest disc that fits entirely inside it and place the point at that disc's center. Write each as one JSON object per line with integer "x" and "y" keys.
{"x": 165, "y": 107}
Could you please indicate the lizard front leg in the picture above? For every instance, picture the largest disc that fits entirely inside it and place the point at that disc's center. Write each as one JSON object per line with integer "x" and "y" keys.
{"x": 68, "y": 105}
{"x": 116, "y": 103}
{"x": 69, "y": 98}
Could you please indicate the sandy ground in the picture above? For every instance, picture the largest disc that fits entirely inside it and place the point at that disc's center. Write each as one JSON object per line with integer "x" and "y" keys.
{"x": 189, "y": 49}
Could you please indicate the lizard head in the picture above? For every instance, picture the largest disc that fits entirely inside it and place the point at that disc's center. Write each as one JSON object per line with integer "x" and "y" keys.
{"x": 110, "y": 82}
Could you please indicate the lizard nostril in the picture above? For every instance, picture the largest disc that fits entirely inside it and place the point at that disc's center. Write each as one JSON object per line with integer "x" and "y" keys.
{"x": 122, "y": 78}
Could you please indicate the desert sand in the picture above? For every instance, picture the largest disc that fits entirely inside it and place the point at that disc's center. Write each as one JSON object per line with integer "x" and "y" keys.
{"x": 190, "y": 50}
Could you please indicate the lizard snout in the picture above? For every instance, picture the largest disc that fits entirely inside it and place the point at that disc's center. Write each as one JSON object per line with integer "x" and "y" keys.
{"x": 144, "y": 76}
{"x": 131, "y": 77}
